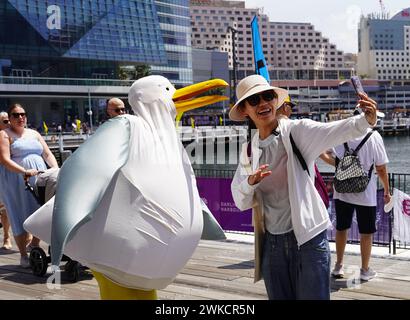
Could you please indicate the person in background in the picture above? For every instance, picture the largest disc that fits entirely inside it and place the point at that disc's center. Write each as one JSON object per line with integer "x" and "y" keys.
{"x": 115, "y": 107}
{"x": 295, "y": 255}
{"x": 4, "y": 124}
{"x": 286, "y": 108}
{"x": 372, "y": 154}
{"x": 23, "y": 152}
{"x": 84, "y": 128}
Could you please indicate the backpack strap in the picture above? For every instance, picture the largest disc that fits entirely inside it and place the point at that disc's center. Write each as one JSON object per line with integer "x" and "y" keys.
{"x": 337, "y": 161}
{"x": 362, "y": 143}
{"x": 370, "y": 171}
{"x": 346, "y": 147}
{"x": 299, "y": 155}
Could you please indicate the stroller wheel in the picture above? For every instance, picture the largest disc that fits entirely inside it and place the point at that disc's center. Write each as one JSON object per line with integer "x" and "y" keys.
{"x": 72, "y": 268}
{"x": 38, "y": 261}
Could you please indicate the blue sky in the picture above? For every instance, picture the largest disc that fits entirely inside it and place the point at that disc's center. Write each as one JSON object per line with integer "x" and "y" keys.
{"x": 336, "y": 19}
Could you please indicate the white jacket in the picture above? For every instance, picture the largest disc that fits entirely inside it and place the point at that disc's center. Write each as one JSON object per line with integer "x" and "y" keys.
{"x": 308, "y": 213}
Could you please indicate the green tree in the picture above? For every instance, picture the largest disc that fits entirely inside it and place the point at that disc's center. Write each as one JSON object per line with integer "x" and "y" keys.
{"x": 134, "y": 72}
{"x": 141, "y": 71}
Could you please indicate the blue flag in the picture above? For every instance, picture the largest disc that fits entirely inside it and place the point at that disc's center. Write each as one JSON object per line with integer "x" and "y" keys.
{"x": 260, "y": 62}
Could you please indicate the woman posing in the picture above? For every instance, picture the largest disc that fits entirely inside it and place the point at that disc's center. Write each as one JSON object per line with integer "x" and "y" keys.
{"x": 295, "y": 254}
{"x": 23, "y": 152}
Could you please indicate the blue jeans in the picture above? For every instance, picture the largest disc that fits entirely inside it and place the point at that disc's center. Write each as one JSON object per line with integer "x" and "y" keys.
{"x": 291, "y": 272}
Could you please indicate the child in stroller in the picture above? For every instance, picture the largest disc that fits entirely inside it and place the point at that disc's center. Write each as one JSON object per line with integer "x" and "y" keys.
{"x": 43, "y": 190}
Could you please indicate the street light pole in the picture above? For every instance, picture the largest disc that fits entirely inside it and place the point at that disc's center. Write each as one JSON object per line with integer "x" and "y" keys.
{"x": 385, "y": 99}
{"x": 233, "y": 93}
{"x": 90, "y": 112}
{"x": 223, "y": 112}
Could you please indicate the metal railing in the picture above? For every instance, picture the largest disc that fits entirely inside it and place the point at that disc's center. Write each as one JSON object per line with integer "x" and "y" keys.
{"x": 399, "y": 181}
{"x": 384, "y": 222}
{"x": 65, "y": 81}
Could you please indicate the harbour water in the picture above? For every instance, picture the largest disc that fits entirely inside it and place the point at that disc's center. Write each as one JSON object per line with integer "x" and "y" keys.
{"x": 397, "y": 148}
{"x": 398, "y": 152}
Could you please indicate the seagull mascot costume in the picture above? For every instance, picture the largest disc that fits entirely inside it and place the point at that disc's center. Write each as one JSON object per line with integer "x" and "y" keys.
{"x": 126, "y": 204}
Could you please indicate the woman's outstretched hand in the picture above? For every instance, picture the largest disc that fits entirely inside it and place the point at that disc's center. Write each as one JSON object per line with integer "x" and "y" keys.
{"x": 259, "y": 175}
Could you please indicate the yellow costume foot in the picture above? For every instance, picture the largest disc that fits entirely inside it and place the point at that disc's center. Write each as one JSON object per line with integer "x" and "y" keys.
{"x": 112, "y": 291}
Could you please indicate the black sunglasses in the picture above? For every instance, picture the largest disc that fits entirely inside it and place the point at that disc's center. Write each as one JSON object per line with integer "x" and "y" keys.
{"x": 6, "y": 121}
{"x": 255, "y": 99}
{"x": 119, "y": 110}
{"x": 17, "y": 115}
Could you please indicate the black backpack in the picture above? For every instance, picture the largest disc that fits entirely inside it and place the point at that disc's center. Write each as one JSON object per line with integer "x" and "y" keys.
{"x": 350, "y": 176}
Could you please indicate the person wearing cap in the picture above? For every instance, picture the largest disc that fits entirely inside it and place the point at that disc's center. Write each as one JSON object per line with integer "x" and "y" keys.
{"x": 295, "y": 259}
{"x": 286, "y": 107}
{"x": 372, "y": 154}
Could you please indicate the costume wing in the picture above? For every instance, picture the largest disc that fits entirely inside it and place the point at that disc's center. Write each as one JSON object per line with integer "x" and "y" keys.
{"x": 83, "y": 180}
{"x": 212, "y": 229}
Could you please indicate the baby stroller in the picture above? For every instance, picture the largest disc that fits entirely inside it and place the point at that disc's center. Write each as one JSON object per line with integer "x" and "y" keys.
{"x": 43, "y": 190}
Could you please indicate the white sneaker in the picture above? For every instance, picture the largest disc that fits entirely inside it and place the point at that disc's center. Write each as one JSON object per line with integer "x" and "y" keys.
{"x": 338, "y": 271}
{"x": 25, "y": 262}
{"x": 368, "y": 274}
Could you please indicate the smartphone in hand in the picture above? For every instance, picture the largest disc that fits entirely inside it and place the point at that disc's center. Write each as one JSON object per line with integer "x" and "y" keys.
{"x": 357, "y": 85}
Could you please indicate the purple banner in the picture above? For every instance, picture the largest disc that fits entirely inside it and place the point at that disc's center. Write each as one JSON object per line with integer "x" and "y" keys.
{"x": 216, "y": 193}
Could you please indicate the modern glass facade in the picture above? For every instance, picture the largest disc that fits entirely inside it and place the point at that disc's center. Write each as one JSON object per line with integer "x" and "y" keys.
{"x": 175, "y": 24}
{"x": 92, "y": 38}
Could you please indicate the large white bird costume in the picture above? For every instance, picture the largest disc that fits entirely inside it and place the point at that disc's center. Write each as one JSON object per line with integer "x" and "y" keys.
{"x": 127, "y": 205}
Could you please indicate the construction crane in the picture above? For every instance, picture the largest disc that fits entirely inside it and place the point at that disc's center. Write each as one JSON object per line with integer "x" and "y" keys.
{"x": 383, "y": 10}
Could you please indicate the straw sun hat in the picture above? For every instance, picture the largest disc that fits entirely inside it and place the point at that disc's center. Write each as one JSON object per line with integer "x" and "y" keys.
{"x": 252, "y": 85}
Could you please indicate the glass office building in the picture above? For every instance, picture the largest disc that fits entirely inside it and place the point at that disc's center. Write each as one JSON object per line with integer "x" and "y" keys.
{"x": 93, "y": 38}
{"x": 175, "y": 25}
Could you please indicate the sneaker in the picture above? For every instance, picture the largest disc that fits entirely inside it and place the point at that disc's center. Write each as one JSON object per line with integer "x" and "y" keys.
{"x": 338, "y": 271}
{"x": 25, "y": 262}
{"x": 366, "y": 275}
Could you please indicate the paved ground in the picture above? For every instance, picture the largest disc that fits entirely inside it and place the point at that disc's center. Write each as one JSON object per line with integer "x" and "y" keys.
{"x": 218, "y": 270}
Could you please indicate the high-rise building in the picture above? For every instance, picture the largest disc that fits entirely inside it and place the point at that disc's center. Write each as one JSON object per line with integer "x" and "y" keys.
{"x": 384, "y": 44}
{"x": 292, "y": 50}
{"x": 41, "y": 41}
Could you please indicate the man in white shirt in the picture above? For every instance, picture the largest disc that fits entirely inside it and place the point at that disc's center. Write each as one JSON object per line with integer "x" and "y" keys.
{"x": 373, "y": 157}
